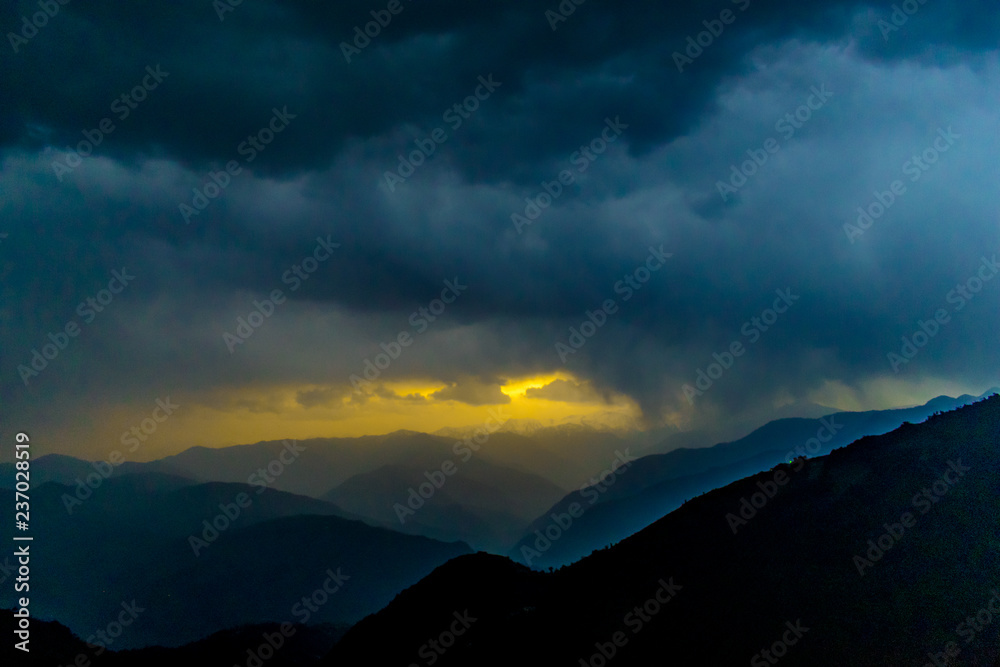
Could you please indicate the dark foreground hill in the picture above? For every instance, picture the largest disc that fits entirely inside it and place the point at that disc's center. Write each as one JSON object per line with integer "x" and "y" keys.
{"x": 655, "y": 485}
{"x": 191, "y": 559}
{"x": 291, "y": 645}
{"x": 565, "y": 455}
{"x": 886, "y": 552}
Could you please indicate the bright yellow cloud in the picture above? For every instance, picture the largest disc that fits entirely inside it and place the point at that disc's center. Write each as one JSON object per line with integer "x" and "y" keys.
{"x": 518, "y": 386}
{"x": 248, "y": 415}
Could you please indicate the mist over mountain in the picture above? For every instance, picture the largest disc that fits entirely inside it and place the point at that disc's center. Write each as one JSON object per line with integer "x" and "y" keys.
{"x": 738, "y": 537}
{"x": 565, "y": 455}
{"x": 811, "y": 574}
{"x": 199, "y": 558}
{"x": 434, "y": 333}
{"x": 476, "y": 502}
{"x": 654, "y": 485}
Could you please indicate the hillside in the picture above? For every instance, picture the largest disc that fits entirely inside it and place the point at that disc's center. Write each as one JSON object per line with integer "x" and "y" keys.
{"x": 928, "y": 493}
{"x": 654, "y": 485}
{"x": 199, "y": 558}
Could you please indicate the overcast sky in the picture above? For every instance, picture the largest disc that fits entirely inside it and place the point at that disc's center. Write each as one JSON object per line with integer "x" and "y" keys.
{"x": 637, "y": 135}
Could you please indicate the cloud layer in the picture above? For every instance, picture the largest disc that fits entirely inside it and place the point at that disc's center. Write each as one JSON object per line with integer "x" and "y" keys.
{"x": 551, "y": 162}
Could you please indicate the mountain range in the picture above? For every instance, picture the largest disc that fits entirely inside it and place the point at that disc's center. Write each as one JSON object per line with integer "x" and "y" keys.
{"x": 785, "y": 512}
{"x": 656, "y": 484}
{"x": 170, "y": 546}
{"x": 883, "y": 552}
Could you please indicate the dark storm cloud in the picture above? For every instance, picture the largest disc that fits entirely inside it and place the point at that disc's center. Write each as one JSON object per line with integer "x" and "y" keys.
{"x": 323, "y": 178}
{"x": 562, "y": 390}
{"x": 473, "y": 392}
{"x": 225, "y": 77}
{"x": 388, "y": 393}
{"x": 317, "y": 397}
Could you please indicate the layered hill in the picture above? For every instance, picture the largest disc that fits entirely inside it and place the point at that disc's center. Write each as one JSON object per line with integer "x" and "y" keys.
{"x": 883, "y": 552}
{"x": 199, "y": 558}
{"x": 281, "y": 645}
{"x": 653, "y": 485}
{"x": 483, "y": 504}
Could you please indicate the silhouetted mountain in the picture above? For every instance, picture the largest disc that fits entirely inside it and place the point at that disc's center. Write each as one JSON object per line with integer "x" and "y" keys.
{"x": 314, "y": 466}
{"x": 519, "y": 426}
{"x": 654, "y": 485}
{"x": 602, "y": 523}
{"x": 322, "y": 464}
{"x": 883, "y": 552}
{"x": 485, "y": 505}
{"x": 565, "y": 455}
{"x": 53, "y": 644}
{"x": 814, "y": 436}
{"x": 50, "y": 468}
{"x": 203, "y": 557}
{"x": 304, "y": 467}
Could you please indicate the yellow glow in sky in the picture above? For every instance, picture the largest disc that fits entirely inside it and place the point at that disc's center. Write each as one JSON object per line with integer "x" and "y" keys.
{"x": 520, "y": 386}
{"x": 249, "y": 415}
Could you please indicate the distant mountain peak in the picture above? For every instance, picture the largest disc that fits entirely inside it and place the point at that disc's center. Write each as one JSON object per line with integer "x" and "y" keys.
{"x": 404, "y": 432}
{"x": 517, "y": 426}
{"x": 604, "y": 422}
